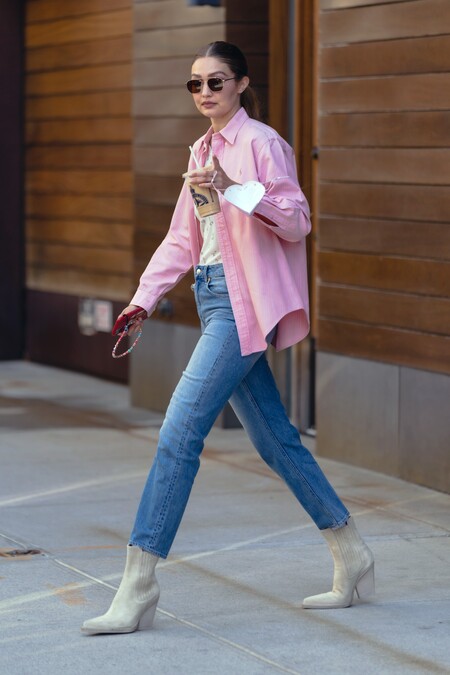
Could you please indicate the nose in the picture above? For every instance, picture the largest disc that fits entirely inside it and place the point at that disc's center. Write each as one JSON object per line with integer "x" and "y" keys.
{"x": 205, "y": 89}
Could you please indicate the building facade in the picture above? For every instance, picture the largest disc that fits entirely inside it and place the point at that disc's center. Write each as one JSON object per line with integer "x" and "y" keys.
{"x": 360, "y": 88}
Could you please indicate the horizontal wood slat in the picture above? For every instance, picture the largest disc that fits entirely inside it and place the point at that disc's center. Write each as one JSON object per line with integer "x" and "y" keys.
{"x": 80, "y": 282}
{"x": 167, "y": 72}
{"x": 392, "y": 57}
{"x": 77, "y": 156}
{"x": 85, "y": 28}
{"x": 385, "y": 21}
{"x": 395, "y": 129}
{"x": 97, "y": 259}
{"x": 169, "y": 131}
{"x": 80, "y": 206}
{"x": 106, "y": 78}
{"x": 81, "y": 182}
{"x": 408, "y": 92}
{"x": 418, "y": 350}
{"x": 47, "y": 10}
{"x": 425, "y": 166}
{"x": 407, "y": 202}
{"x": 163, "y": 103}
{"x": 111, "y": 130}
{"x": 160, "y": 190}
{"x": 158, "y": 162}
{"x": 388, "y": 237}
{"x": 78, "y": 54}
{"x": 153, "y": 219}
{"x": 168, "y": 43}
{"x": 175, "y": 13}
{"x": 111, "y": 235}
{"x": 385, "y": 309}
{"x": 423, "y": 277}
{"x": 72, "y": 106}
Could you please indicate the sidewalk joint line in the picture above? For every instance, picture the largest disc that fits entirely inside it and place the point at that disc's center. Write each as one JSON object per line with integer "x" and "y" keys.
{"x": 72, "y": 487}
{"x": 189, "y": 624}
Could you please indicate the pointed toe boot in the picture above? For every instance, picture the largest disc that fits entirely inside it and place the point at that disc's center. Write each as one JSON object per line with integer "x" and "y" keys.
{"x": 353, "y": 569}
{"x": 134, "y": 604}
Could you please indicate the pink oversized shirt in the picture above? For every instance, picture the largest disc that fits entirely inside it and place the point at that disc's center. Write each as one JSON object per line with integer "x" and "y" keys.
{"x": 264, "y": 255}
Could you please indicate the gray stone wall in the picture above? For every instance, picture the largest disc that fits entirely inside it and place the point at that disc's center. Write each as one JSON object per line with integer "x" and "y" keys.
{"x": 388, "y": 418}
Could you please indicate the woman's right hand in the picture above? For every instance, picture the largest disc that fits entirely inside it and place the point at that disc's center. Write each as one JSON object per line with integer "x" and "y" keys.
{"x": 137, "y": 323}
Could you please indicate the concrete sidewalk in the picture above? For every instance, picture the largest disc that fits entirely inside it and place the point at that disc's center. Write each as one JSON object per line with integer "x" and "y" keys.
{"x": 73, "y": 460}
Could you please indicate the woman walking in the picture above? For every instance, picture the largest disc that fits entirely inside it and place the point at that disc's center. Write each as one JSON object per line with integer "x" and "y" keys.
{"x": 250, "y": 285}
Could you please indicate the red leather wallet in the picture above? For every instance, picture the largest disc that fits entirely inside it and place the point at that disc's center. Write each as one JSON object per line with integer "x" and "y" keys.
{"x": 128, "y": 319}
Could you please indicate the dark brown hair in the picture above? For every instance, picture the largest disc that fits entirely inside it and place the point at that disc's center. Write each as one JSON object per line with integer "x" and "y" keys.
{"x": 235, "y": 59}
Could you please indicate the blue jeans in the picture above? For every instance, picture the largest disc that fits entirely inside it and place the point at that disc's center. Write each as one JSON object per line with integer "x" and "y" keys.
{"x": 217, "y": 373}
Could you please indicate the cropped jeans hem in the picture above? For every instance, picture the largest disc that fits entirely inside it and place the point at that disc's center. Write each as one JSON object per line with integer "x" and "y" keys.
{"x": 146, "y": 548}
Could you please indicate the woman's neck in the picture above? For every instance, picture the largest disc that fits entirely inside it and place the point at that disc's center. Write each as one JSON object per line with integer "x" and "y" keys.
{"x": 220, "y": 123}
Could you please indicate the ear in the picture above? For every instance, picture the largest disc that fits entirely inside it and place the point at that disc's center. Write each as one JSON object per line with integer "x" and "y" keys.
{"x": 243, "y": 84}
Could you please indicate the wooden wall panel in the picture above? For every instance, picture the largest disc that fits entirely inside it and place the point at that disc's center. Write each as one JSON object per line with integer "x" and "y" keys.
{"x": 114, "y": 106}
{"x": 393, "y": 57}
{"x": 117, "y": 156}
{"x": 422, "y": 277}
{"x": 397, "y": 129}
{"x": 394, "y": 237}
{"x": 98, "y": 78}
{"x": 384, "y": 21}
{"x": 247, "y": 25}
{"x": 167, "y": 35}
{"x": 404, "y": 92}
{"x": 104, "y": 24}
{"x": 426, "y": 350}
{"x": 39, "y": 11}
{"x": 173, "y": 14}
{"x": 102, "y": 130}
{"x": 88, "y": 182}
{"x": 384, "y": 181}
{"x": 422, "y": 166}
{"x": 400, "y": 310}
{"x": 79, "y": 54}
{"x": 384, "y": 200}
{"x": 79, "y": 180}
{"x": 79, "y": 231}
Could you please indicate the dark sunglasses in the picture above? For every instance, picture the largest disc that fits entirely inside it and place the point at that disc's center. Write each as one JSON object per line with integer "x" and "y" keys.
{"x": 214, "y": 83}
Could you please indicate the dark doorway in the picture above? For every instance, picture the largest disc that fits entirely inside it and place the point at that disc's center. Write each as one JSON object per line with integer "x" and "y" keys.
{"x": 11, "y": 181}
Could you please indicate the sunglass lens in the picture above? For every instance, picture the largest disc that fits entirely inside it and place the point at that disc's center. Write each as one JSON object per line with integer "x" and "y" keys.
{"x": 194, "y": 86}
{"x": 215, "y": 83}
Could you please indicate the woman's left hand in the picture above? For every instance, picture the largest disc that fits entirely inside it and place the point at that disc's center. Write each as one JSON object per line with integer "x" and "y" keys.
{"x": 213, "y": 176}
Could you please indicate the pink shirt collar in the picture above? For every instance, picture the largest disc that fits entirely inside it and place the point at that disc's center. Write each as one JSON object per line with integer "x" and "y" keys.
{"x": 230, "y": 131}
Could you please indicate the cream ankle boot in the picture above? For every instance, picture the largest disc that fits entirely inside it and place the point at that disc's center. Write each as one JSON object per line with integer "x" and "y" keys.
{"x": 134, "y": 604}
{"x": 353, "y": 569}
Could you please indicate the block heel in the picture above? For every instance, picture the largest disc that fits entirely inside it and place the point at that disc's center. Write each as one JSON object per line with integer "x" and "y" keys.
{"x": 365, "y": 587}
{"x": 146, "y": 620}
